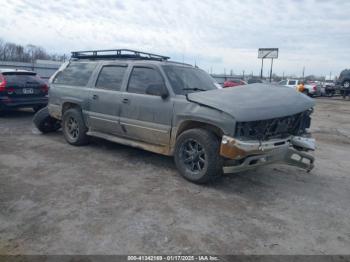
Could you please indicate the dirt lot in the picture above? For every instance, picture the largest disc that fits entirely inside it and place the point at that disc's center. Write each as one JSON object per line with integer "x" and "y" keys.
{"x": 107, "y": 198}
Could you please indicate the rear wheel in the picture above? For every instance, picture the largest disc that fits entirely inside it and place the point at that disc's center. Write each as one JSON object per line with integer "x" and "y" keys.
{"x": 197, "y": 156}
{"x": 74, "y": 128}
{"x": 346, "y": 85}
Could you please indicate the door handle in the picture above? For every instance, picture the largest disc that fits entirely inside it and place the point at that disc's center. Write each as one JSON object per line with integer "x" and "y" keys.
{"x": 95, "y": 97}
{"x": 126, "y": 101}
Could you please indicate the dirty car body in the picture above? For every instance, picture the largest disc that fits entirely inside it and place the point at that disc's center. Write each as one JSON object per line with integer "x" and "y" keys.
{"x": 156, "y": 105}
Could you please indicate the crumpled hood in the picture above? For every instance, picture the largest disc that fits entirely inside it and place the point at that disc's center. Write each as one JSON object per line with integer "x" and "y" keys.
{"x": 254, "y": 102}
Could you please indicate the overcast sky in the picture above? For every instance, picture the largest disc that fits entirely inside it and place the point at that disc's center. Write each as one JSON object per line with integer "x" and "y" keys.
{"x": 215, "y": 34}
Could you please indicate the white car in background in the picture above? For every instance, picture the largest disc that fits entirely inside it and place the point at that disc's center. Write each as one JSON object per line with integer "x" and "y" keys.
{"x": 310, "y": 89}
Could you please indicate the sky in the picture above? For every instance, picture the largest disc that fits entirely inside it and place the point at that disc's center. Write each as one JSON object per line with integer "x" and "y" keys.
{"x": 218, "y": 36}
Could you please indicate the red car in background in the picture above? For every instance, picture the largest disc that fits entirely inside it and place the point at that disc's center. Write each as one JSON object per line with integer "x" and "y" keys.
{"x": 234, "y": 82}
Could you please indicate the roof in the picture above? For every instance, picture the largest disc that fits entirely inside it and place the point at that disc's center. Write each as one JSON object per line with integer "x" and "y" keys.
{"x": 117, "y": 53}
{"x": 122, "y": 55}
{"x": 154, "y": 62}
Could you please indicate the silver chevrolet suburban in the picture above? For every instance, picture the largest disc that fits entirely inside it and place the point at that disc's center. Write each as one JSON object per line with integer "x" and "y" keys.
{"x": 146, "y": 101}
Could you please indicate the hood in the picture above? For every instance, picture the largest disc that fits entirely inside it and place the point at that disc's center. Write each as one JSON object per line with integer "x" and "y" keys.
{"x": 254, "y": 102}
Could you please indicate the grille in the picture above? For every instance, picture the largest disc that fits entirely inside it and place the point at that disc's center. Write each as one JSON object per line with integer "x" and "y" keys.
{"x": 274, "y": 128}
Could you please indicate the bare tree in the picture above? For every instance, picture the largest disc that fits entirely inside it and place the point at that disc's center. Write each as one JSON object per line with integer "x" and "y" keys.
{"x": 29, "y": 53}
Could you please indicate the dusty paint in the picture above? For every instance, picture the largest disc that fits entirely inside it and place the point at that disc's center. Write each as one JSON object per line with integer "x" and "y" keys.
{"x": 254, "y": 102}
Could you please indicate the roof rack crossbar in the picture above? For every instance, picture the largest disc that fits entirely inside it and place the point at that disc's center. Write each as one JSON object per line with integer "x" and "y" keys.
{"x": 117, "y": 53}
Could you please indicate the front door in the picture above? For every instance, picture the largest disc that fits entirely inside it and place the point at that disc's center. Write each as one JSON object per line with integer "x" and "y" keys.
{"x": 105, "y": 100}
{"x": 146, "y": 117}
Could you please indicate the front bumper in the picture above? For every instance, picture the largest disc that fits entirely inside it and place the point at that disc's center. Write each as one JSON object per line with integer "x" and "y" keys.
{"x": 245, "y": 155}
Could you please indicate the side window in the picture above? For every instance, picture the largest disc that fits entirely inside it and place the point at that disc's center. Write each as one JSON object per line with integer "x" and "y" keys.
{"x": 141, "y": 78}
{"x": 75, "y": 74}
{"x": 293, "y": 82}
{"x": 111, "y": 77}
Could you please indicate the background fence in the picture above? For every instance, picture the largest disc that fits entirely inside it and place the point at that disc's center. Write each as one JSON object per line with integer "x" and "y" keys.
{"x": 43, "y": 68}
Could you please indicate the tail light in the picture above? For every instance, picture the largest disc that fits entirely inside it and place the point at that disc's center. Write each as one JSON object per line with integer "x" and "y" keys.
{"x": 10, "y": 90}
{"x": 2, "y": 83}
{"x": 45, "y": 88}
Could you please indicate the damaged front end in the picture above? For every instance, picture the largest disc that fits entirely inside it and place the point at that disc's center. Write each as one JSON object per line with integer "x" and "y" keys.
{"x": 263, "y": 142}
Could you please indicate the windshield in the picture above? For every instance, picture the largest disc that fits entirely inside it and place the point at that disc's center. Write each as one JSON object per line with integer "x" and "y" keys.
{"x": 185, "y": 79}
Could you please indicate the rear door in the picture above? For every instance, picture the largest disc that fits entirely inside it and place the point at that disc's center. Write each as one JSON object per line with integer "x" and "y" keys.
{"x": 24, "y": 84}
{"x": 146, "y": 117}
{"x": 105, "y": 99}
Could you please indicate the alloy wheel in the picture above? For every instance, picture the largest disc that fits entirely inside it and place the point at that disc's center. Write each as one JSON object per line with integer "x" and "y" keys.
{"x": 193, "y": 156}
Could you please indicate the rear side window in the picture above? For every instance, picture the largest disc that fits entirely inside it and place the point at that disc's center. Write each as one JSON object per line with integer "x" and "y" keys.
{"x": 75, "y": 74}
{"x": 141, "y": 78}
{"x": 111, "y": 77}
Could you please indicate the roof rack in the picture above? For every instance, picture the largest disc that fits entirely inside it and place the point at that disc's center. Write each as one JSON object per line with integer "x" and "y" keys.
{"x": 117, "y": 53}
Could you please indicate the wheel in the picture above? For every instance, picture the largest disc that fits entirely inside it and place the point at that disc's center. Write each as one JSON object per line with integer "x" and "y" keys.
{"x": 37, "y": 108}
{"x": 74, "y": 128}
{"x": 44, "y": 122}
{"x": 197, "y": 156}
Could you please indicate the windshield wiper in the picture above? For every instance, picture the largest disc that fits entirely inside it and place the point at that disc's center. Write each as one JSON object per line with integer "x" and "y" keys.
{"x": 194, "y": 89}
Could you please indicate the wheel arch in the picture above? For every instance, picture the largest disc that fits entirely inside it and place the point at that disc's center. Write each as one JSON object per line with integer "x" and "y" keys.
{"x": 69, "y": 105}
{"x": 191, "y": 124}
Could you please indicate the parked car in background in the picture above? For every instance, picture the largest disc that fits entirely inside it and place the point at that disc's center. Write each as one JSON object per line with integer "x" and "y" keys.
{"x": 344, "y": 78}
{"x": 343, "y": 82}
{"x": 328, "y": 88}
{"x": 146, "y": 101}
{"x": 310, "y": 89}
{"x": 234, "y": 82}
{"x": 254, "y": 80}
{"x": 22, "y": 88}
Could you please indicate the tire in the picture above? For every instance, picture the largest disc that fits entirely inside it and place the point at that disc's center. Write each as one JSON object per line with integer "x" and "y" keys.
{"x": 74, "y": 128}
{"x": 197, "y": 156}
{"x": 44, "y": 122}
{"x": 306, "y": 92}
{"x": 37, "y": 108}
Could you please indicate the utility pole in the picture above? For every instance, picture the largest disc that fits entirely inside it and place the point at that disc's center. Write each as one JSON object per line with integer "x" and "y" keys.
{"x": 243, "y": 74}
{"x": 303, "y": 72}
{"x": 330, "y": 76}
{"x": 262, "y": 66}
{"x": 271, "y": 69}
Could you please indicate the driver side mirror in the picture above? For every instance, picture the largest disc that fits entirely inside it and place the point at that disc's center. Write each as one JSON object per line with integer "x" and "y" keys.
{"x": 157, "y": 90}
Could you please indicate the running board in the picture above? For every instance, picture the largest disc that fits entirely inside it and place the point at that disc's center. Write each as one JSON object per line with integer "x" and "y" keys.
{"x": 164, "y": 150}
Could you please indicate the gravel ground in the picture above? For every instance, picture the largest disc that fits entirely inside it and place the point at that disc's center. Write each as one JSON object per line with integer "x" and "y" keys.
{"x": 106, "y": 198}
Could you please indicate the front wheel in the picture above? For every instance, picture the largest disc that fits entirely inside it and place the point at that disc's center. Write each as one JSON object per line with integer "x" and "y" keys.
{"x": 37, "y": 108}
{"x": 74, "y": 128}
{"x": 44, "y": 122}
{"x": 197, "y": 156}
